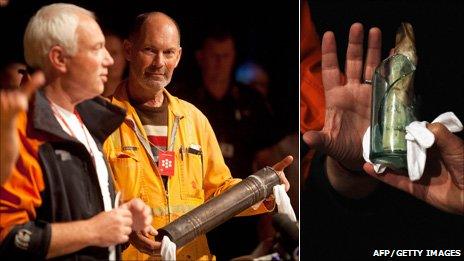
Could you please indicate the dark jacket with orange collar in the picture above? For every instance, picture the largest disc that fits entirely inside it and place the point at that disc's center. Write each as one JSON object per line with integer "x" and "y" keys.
{"x": 54, "y": 180}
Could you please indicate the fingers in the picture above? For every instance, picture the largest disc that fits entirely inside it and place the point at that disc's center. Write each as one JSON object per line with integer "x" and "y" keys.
{"x": 32, "y": 83}
{"x": 354, "y": 54}
{"x": 281, "y": 165}
{"x": 444, "y": 139}
{"x": 135, "y": 205}
{"x": 12, "y": 102}
{"x": 126, "y": 216}
{"x": 315, "y": 140}
{"x": 330, "y": 68}
{"x": 149, "y": 231}
{"x": 141, "y": 213}
{"x": 393, "y": 179}
{"x": 451, "y": 149}
{"x": 112, "y": 227}
{"x": 374, "y": 52}
{"x": 283, "y": 180}
{"x": 143, "y": 243}
{"x": 392, "y": 52}
{"x": 126, "y": 220}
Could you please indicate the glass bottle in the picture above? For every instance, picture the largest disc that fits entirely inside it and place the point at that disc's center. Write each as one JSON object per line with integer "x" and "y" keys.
{"x": 391, "y": 111}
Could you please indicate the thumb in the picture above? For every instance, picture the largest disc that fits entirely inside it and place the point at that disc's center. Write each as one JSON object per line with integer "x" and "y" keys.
{"x": 315, "y": 140}
{"x": 281, "y": 165}
{"x": 30, "y": 84}
{"x": 149, "y": 231}
{"x": 396, "y": 180}
{"x": 392, "y": 52}
{"x": 125, "y": 206}
{"x": 451, "y": 149}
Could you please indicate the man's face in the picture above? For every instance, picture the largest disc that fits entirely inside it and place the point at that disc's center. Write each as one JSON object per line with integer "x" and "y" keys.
{"x": 114, "y": 46}
{"x": 87, "y": 70}
{"x": 216, "y": 59}
{"x": 154, "y": 55}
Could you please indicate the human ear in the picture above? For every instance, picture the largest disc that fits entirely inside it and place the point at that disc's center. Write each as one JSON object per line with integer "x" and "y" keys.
{"x": 57, "y": 57}
{"x": 127, "y": 45}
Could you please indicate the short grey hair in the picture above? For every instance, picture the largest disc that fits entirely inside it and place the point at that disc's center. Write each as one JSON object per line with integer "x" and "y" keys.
{"x": 52, "y": 25}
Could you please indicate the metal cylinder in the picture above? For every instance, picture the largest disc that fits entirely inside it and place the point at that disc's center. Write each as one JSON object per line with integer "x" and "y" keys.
{"x": 221, "y": 208}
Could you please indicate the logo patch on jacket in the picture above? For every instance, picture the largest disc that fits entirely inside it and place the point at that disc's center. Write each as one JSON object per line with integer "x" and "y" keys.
{"x": 64, "y": 155}
{"x": 22, "y": 238}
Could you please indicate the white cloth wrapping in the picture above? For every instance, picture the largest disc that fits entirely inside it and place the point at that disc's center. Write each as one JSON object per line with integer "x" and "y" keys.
{"x": 418, "y": 140}
{"x": 168, "y": 249}
{"x": 283, "y": 202}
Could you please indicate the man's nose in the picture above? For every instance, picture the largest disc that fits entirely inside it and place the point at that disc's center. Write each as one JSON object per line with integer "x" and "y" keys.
{"x": 158, "y": 60}
{"x": 108, "y": 60}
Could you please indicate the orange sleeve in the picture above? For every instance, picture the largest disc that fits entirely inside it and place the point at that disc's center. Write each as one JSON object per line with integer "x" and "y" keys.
{"x": 312, "y": 101}
{"x": 20, "y": 194}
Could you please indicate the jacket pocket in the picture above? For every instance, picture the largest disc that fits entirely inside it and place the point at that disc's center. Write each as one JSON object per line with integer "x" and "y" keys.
{"x": 127, "y": 173}
{"x": 191, "y": 176}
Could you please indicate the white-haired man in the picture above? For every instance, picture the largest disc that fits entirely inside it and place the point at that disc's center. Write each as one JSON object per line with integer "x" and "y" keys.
{"x": 59, "y": 199}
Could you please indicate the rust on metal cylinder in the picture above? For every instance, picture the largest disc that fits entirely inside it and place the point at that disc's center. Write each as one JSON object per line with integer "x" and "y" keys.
{"x": 221, "y": 208}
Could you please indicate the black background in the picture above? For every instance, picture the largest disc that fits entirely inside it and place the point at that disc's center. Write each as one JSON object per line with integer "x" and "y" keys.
{"x": 266, "y": 32}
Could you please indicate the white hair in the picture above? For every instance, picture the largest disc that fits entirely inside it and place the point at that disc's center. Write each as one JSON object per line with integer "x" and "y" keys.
{"x": 52, "y": 25}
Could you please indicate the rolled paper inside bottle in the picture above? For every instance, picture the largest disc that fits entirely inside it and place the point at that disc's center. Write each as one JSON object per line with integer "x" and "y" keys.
{"x": 392, "y": 110}
{"x": 221, "y": 208}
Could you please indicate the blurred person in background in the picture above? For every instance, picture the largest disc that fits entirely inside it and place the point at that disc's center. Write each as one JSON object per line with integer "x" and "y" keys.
{"x": 116, "y": 72}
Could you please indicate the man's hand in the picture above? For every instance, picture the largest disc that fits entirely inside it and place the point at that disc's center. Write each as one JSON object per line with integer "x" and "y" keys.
{"x": 12, "y": 102}
{"x": 111, "y": 227}
{"x": 279, "y": 167}
{"x": 442, "y": 184}
{"x": 348, "y": 99}
{"x": 144, "y": 241}
{"x": 141, "y": 214}
{"x": 142, "y": 236}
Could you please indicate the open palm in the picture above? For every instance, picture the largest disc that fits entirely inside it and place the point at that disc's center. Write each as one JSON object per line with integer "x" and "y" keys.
{"x": 347, "y": 98}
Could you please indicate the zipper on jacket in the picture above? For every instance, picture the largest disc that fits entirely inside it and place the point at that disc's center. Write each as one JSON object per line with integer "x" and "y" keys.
{"x": 171, "y": 148}
{"x": 147, "y": 147}
{"x": 169, "y": 206}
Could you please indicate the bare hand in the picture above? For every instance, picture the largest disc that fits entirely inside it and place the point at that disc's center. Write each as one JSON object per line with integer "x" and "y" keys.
{"x": 144, "y": 241}
{"x": 15, "y": 101}
{"x": 347, "y": 98}
{"x": 12, "y": 102}
{"x": 111, "y": 227}
{"x": 279, "y": 167}
{"x": 442, "y": 184}
{"x": 141, "y": 214}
